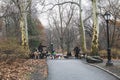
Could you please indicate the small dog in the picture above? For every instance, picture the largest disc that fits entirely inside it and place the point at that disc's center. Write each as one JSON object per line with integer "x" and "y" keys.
{"x": 37, "y": 54}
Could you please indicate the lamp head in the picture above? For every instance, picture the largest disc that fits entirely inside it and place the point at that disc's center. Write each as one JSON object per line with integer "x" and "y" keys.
{"x": 107, "y": 16}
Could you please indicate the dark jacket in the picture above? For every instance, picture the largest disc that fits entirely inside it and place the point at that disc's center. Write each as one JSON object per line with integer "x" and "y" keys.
{"x": 77, "y": 50}
{"x": 40, "y": 48}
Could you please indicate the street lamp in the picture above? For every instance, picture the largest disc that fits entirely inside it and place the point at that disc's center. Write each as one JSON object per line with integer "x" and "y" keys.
{"x": 107, "y": 18}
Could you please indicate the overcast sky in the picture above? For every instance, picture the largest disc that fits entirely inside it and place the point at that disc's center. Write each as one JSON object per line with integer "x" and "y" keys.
{"x": 43, "y": 17}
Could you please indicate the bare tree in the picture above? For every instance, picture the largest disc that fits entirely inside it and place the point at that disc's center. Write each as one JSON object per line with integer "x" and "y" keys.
{"x": 81, "y": 26}
{"x": 63, "y": 22}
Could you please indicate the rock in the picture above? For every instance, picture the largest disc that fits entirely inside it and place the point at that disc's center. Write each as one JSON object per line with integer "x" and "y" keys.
{"x": 94, "y": 59}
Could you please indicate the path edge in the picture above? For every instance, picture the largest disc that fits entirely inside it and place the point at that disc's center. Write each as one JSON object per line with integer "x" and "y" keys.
{"x": 111, "y": 73}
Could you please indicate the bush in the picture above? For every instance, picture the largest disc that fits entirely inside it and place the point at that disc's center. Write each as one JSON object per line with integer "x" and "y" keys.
{"x": 103, "y": 53}
{"x": 33, "y": 43}
{"x": 11, "y": 49}
{"x": 115, "y": 53}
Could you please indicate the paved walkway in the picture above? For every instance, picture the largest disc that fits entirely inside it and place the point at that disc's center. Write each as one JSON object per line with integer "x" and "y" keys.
{"x": 75, "y": 70}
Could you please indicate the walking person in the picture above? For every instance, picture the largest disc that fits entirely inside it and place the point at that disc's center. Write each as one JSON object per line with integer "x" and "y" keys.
{"x": 77, "y": 51}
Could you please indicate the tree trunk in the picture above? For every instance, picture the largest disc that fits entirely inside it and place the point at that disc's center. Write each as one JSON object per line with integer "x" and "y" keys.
{"x": 61, "y": 25}
{"x": 95, "y": 30}
{"x": 23, "y": 24}
{"x": 82, "y": 30}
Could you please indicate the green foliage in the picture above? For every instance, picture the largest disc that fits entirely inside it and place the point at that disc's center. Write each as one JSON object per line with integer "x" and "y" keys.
{"x": 33, "y": 43}
{"x": 32, "y": 30}
{"x": 33, "y": 33}
{"x": 11, "y": 49}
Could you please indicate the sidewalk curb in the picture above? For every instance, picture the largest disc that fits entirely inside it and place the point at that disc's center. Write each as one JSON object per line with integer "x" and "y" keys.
{"x": 109, "y": 72}
{"x": 118, "y": 77}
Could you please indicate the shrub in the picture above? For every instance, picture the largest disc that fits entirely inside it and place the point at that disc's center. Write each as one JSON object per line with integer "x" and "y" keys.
{"x": 33, "y": 43}
{"x": 11, "y": 49}
{"x": 115, "y": 53}
{"x": 103, "y": 53}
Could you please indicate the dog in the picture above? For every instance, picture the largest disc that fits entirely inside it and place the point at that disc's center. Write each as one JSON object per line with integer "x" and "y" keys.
{"x": 36, "y": 54}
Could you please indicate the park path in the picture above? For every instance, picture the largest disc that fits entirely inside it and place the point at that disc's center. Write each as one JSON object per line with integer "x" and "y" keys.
{"x": 75, "y": 70}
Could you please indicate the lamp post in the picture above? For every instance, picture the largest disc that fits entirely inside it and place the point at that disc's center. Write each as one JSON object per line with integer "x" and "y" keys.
{"x": 107, "y": 18}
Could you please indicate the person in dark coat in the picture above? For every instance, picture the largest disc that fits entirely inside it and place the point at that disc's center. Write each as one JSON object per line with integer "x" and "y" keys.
{"x": 77, "y": 51}
{"x": 40, "y": 48}
{"x": 51, "y": 48}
